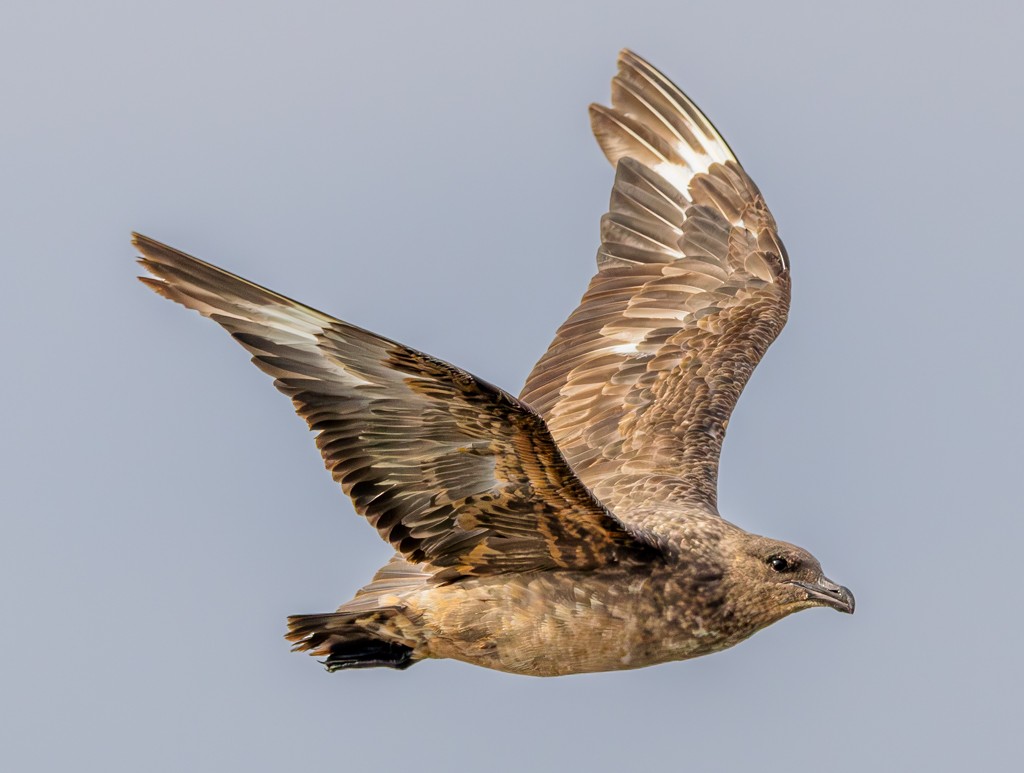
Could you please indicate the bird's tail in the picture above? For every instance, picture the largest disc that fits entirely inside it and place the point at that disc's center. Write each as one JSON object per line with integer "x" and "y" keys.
{"x": 352, "y": 640}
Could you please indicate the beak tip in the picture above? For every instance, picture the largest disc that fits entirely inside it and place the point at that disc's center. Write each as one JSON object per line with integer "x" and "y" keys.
{"x": 851, "y": 602}
{"x": 827, "y": 593}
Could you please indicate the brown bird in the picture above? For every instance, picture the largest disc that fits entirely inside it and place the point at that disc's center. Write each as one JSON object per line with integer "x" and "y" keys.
{"x": 574, "y": 529}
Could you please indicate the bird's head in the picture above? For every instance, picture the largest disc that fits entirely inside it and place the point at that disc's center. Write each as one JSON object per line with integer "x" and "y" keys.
{"x": 769, "y": 579}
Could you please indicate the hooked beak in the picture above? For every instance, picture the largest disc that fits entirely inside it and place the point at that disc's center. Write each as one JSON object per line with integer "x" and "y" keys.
{"x": 835, "y": 596}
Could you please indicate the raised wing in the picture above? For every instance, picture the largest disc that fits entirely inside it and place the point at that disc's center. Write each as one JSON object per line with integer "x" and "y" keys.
{"x": 452, "y": 471}
{"x": 692, "y": 287}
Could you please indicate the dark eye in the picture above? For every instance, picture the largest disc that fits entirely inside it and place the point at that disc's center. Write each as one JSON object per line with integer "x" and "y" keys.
{"x": 779, "y": 564}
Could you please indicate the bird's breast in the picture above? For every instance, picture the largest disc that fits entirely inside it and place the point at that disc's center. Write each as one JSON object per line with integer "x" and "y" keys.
{"x": 553, "y": 623}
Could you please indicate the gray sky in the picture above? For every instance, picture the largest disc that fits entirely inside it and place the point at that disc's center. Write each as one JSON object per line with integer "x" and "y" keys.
{"x": 427, "y": 171}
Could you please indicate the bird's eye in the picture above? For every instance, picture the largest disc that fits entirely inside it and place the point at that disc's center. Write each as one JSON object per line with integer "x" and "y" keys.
{"x": 779, "y": 564}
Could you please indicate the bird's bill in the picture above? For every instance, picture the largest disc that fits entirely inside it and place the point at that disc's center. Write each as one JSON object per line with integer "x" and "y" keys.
{"x": 824, "y": 590}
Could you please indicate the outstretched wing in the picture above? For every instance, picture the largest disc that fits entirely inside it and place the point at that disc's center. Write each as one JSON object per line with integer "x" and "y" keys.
{"x": 451, "y": 470}
{"x": 692, "y": 287}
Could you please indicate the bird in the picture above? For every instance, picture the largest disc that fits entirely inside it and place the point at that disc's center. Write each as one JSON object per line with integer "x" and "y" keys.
{"x": 574, "y": 528}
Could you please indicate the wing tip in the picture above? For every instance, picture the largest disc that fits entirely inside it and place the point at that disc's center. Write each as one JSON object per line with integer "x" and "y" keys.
{"x": 629, "y": 56}
{"x": 149, "y": 250}
{"x": 152, "y": 254}
{"x": 172, "y": 273}
{"x": 145, "y": 244}
{"x": 677, "y": 119}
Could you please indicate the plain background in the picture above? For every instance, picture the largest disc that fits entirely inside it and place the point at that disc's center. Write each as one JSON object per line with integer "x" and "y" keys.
{"x": 426, "y": 170}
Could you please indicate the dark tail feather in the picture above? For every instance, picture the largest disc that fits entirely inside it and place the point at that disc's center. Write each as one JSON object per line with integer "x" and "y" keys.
{"x": 367, "y": 653}
{"x": 349, "y": 641}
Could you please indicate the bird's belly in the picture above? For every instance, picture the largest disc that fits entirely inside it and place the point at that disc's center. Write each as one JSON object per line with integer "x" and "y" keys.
{"x": 548, "y": 624}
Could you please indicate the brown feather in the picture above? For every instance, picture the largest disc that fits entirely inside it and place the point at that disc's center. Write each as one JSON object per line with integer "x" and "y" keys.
{"x": 451, "y": 470}
{"x": 693, "y": 285}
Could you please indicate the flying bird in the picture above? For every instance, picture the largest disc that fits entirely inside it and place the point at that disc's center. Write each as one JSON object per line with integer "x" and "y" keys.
{"x": 575, "y": 528}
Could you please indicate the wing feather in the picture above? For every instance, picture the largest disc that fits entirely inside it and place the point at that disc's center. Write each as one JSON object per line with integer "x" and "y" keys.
{"x": 692, "y": 286}
{"x": 453, "y": 472}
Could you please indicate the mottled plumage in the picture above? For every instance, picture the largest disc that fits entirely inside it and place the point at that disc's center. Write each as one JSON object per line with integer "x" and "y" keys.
{"x": 576, "y": 529}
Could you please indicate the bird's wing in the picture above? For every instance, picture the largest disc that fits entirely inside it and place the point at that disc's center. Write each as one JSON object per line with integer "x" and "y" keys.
{"x": 692, "y": 287}
{"x": 452, "y": 471}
